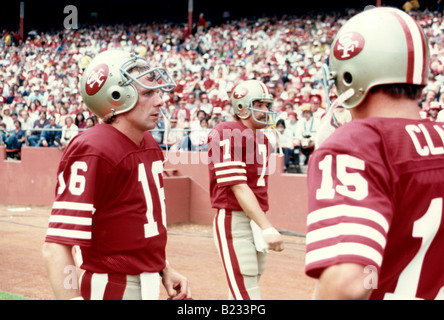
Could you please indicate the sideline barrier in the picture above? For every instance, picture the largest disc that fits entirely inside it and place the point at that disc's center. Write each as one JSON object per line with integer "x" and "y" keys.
{"x": 32, "y": 180}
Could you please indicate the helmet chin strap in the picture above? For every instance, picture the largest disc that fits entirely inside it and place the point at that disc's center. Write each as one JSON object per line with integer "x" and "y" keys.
{"x": 327, "y": 83}
{"x": 167, "y": 124}
{"x": 328, "y": 126}
{"x": 329, "y": 122}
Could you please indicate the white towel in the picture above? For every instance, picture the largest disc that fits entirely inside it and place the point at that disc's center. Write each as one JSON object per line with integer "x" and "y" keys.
{"x": 258, "y": 237}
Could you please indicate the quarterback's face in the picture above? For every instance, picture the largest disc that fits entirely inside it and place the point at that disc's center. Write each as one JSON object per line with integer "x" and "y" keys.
{"x": 260, "y": 109}
{"x": 146, "y": 112}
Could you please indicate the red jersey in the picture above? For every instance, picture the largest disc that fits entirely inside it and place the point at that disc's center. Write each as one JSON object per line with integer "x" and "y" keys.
{"x": 110, "y": 201}
{"x": 236, "y": 155}
{"x": 376, "y": 191}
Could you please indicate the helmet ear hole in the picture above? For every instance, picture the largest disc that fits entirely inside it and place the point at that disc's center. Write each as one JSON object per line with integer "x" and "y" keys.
{"x": 348, "y": 78}
{"x": 115, "y": 95}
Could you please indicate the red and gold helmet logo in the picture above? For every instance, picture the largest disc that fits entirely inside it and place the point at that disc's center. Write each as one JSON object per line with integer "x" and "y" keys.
{"x": 96, "y": 79}
{"x": 240, "y": 92}
{"x": 348, "y": 46}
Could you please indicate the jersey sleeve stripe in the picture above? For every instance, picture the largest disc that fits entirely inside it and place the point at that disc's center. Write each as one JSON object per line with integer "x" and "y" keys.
{"x": 73, "y": 206}
{"x": 229, "y": 164}
{"x": 70, "y": 220}
{"x": 343, "y": 249}
{"x": 71, "y": 234}
{"x": 231, "y": 171}
{"x": 346, "y": 229}
{"x": 343, "y": 210}
{"x": 231, "y": 179}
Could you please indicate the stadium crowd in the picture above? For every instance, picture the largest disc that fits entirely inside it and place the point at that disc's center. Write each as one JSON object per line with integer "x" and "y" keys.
{"x": 41, "y": 104}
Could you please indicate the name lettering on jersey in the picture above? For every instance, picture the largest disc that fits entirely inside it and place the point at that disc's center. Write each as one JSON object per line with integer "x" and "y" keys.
{"x": 422, "y": 139}
{"x": 96, "y": 79}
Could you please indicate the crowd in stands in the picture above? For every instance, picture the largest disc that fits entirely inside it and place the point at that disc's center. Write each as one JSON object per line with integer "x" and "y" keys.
{"x": 41, "y": 105}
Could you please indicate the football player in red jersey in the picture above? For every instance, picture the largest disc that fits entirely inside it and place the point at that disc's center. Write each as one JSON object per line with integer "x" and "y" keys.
{"x": 109, "y": 201}
{"x": 238, "y": 171}
{"x": 375, "y": 226}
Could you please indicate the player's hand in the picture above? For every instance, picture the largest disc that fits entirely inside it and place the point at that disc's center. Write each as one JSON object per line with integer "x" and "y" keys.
{"x": 176, "y": 285}
{"x": 274, "y": 239}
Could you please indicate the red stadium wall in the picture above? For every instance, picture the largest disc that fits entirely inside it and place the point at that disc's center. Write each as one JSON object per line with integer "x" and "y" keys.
{"x": 31, "y": 182}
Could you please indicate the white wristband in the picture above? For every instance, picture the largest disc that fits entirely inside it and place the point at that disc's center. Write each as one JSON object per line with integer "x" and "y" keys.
{"x": 77, "y": 298}
{"x": 270, "y": 231}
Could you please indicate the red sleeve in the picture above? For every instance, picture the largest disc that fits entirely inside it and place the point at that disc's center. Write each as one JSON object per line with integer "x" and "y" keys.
{"x": 71, "y": 215}
{"x": 349, "y": 203}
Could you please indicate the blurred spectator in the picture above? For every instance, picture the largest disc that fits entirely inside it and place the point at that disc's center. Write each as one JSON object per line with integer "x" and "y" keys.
{"x": 62, "y": 113}
{"x": 159, "y": 131}
{"x": 227, "y": 111}
{"x": 96, "y": 119}
{"x": 27, "y": 122}
{"x": 14, "y": 140}
{"x": 191, "y": 103}
{"x": 285, "y": 142}
{"x": 206, "y": 105}
{"x": 90, "y": 122}
{"x": 175, "y": 136}
{"x": 38, "y": 124}
{"x": 185, "y": 145}
{"x": 287, "y": 109}
{"x": 181, "y": 113}
{"x": 69, "y": 131}
{"x": 201, "y": 23}
{"x": 315, "y": 103}
{"x": 216, "y": 117}
{"x": 3, "y": 133}
{"x": 195, "y": 124}
{"x": 199, "y": 136}
{"x": 7, "y": 119}
{"x": 305, "y": 133}
{"x": 51, "y": 133}
{"x": 291, "y": 122}
{"x": 433, "y": 110}
{"x": 290, "y": 126}
{"x": 18, "y": 101}
{"x": 80, "y": 120}
{"x": 208, "y": 83}
{"x": 430, "y": 96}
{"x": 36, "y": 94}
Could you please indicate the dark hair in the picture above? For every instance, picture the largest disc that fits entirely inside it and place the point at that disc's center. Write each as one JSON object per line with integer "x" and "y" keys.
{"x": 201, "y": 111}
{"x": 92, "y": 119}
{"x": 280, "y": 121}
{"x": 400, "y": 90}
{"x": 111, "y": 119}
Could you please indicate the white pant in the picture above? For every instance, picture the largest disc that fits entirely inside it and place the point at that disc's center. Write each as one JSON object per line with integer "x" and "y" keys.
{"x": 243, "y": 264}
{"x": 104, "y": 286}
